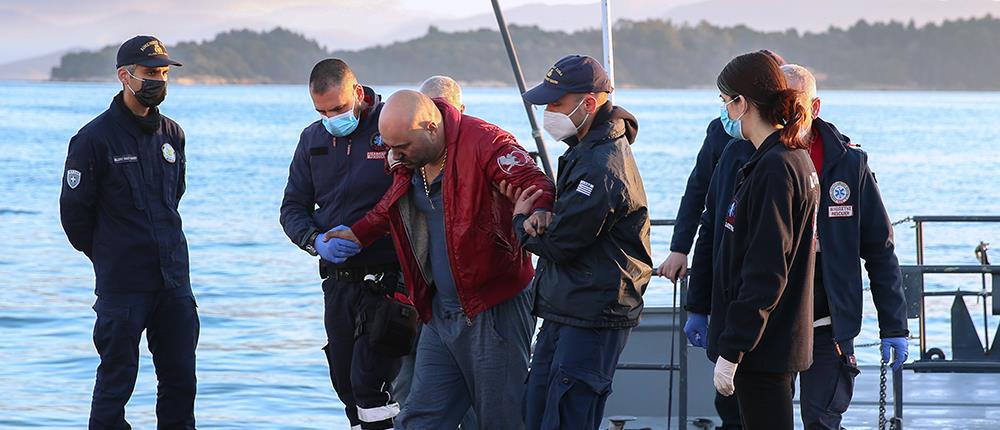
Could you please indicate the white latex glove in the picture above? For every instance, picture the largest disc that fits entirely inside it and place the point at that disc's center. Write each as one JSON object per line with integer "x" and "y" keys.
{"x": 723, "y": 377}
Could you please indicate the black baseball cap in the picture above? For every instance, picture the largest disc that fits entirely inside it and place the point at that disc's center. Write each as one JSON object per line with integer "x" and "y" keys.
{"x": 571, "y": 74}
{"x": 145, "y": 51}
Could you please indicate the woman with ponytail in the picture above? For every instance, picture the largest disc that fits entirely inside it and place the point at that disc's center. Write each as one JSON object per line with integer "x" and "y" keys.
{"x": 760, "y": 328}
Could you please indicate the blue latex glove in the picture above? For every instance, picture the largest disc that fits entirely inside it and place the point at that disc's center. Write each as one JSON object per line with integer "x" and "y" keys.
{"x": 696, "y": 329}
{"x": 899, "y": 346}
{"x": 336, "y": 250}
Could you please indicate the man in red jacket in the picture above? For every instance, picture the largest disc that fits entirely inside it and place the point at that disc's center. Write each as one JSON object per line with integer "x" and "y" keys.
{"x": 464, "y": 267}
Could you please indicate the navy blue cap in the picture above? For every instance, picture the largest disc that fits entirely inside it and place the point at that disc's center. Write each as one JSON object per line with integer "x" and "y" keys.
{"x": 145, "y": 51}
{"x": 571, "y": 74}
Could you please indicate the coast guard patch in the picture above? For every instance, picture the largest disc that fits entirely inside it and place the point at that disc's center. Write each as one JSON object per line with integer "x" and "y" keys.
{"x": 840, "y": 192}
{"x": 73, "y": 178}
{"x": 168, "y": 153}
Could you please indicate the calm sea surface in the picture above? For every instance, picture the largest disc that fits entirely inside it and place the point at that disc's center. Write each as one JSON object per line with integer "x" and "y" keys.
{"x": 259, "y": 359}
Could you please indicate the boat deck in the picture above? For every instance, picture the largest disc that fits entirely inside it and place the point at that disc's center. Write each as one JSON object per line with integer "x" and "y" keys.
{"x": 931, "y": 400}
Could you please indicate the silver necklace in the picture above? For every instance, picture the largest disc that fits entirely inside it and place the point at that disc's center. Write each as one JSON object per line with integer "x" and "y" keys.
{"x": 427, "y": 186}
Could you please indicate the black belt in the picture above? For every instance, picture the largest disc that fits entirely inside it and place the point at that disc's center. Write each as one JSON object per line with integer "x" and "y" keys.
{"x": 354, "y": 274}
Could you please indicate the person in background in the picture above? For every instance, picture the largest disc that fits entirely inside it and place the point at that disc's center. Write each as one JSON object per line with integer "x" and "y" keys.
{"x": 124, "y": 179}
{"x": 760, "y": 326}
{"x": 593, "y": 248}
{"x": 852, "y": 224}
{"x": 466, "y": 271}
{"x": 336, "y": 175}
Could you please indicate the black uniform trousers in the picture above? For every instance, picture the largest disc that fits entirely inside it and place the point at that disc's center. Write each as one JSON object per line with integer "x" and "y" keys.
{"x": 765, "y": 399}
{"x": 361, "y": 376}
{"x": 170, "y": 320}
{"x": 828, "y": 385}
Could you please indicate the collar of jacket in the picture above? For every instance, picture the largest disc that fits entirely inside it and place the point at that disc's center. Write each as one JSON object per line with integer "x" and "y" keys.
{"x": 132, "y": 124}
{"x": 600, "y": 128}
{"x": 372, "y": 102}
{"x": 451, "y": 120}
{"x": 772, "y": 141}
{"x": 834, "y": 144}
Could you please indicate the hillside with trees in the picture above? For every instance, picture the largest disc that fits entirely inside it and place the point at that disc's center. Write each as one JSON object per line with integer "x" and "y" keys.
{"x": 953, "y": 55}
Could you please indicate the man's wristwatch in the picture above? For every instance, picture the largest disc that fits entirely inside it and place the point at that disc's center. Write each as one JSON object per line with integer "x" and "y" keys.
{"x": 310, "y": 245}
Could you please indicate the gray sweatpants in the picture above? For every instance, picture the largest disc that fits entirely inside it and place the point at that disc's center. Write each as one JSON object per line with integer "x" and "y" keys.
{"x": 483, "y": 365}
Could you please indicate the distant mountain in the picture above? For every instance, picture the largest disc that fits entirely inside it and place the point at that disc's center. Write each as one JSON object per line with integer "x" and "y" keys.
{"x": 961, "y": 54}
{"x": 31, "y": 69}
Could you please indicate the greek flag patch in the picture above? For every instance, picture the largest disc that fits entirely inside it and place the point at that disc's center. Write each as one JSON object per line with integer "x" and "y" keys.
{"x": 585, "y": 188}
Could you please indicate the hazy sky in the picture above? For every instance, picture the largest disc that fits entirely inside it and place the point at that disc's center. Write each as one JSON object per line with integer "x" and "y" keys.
{"x": 31, "y": 28}
{"x": 35, "y": 27}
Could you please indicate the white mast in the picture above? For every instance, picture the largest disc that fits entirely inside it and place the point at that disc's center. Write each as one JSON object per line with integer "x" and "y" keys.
{"x": 609, "y": 54}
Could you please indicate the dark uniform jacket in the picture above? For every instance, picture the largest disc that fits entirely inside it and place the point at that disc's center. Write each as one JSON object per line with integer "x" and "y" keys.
{"x": 335, "y": 180}
{"x": 720, "y": 194}
{"x": 693, "y": 201}
{"x": 853, "y": 224}
{"x": 120, "y": 192}
{"x": 762, "y": 289}
{"x": 595, "y": 257}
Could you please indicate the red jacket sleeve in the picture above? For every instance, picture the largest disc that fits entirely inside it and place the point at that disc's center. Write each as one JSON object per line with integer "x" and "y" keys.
{"x": 509, "y": 161}
{"x": 375, "y": 223}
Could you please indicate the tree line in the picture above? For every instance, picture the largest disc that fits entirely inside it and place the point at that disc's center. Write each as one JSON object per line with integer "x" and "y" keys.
{"x": 953, "y": 55}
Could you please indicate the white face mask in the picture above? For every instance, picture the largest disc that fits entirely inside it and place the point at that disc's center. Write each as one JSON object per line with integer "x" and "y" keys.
{"x": 559, "y": 125}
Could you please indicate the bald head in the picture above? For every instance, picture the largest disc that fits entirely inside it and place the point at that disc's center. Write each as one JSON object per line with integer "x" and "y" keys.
{"x": 411, "y": 125}
{"x": 444, "y": 87}
{"x": 801, "y": 79}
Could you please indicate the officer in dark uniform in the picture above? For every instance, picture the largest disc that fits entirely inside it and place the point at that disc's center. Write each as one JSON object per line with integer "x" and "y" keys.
{"x": 337, "y": 174}
{"x": 123, "y": 181}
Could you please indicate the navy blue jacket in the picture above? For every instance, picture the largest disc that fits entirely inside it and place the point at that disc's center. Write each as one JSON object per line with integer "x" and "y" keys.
{"x": 335, "y": 181}
{"x": 720, "y": 193}
{"x": 594, "y": 259}
{"x": 118, "y": 205}
{"x": 866, "y": 234}
{"x": 693, "y": 201}
{"x": 853, "y": 225}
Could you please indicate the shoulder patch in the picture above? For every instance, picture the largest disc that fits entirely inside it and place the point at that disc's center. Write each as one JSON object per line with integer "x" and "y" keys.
{"x": 73, "y": 178}
{"x": 585, "y": 188}
{"x": 516, "y": 157}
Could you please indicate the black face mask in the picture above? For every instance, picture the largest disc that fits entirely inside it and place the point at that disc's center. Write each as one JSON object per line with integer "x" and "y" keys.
{"x": 151, "y": 93}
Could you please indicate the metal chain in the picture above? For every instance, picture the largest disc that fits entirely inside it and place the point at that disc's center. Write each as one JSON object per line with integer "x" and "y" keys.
{"x": 907, "y": 219}
{"x": 881, "y": 393}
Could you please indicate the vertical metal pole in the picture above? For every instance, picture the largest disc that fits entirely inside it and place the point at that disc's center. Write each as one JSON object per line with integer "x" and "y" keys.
{"x": 922, "y": 321}
{"x": 920, "y": 242}
{"x": 519, "y": 77}
{"x": 897, "y": 398}
{"x": 609, "y": 50}
{"x": 682, "y": 391}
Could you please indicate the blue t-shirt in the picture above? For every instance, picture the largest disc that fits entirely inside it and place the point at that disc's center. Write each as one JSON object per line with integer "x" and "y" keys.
{"x": 433, "y": 210}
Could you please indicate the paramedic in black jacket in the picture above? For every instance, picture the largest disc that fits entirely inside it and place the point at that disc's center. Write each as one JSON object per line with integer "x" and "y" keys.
{"x": 852, "y": 224}
{"x": 594, "y": 255}
{"x": 337, "y": 174}
{"x": 692, "y": 208}
{"x": 760, "y": 331}
{"x": 123, "y": 182}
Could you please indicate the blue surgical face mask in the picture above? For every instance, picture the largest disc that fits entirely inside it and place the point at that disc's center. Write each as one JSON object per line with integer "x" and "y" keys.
{"x": 341, "y": 124}
{"x": 733, "y": 127}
